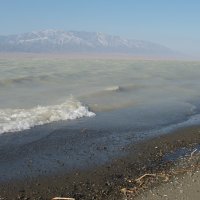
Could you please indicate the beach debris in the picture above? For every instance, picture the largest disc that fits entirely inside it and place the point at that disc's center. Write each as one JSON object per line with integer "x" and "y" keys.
{"x": 193, "y": 152}
{"x": 164, "y": 176}
{"x": 131, "y": 190}
{"x": 141, "y": 177}
{"x": 62, "y": 198}
{"x": 143, "y": 182}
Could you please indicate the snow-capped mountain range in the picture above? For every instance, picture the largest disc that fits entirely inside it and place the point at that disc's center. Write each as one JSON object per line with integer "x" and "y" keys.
{"x": 56, "y": 41}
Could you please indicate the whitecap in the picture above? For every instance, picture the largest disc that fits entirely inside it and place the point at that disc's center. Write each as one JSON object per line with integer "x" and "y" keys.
{"x": 12, "y": 120}
{"x": 113, "y": 88}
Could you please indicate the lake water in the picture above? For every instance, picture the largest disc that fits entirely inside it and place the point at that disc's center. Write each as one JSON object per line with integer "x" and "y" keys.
{"x": 142, "y": 94}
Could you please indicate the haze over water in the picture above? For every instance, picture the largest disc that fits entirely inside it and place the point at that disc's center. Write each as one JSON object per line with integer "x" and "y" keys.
{"x": 140, "y": 93}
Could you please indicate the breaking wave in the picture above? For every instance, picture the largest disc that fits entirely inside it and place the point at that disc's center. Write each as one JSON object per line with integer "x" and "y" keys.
{"x": 113, "y": 88}
{"x": 12, "y": 120}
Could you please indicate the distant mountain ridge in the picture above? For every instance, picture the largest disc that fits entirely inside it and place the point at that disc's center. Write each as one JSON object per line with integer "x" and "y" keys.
{"x": 56, "y": 41}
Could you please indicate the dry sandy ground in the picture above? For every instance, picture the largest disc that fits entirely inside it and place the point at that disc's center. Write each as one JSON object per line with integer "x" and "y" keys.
{"x": 186, "y": 187}
{"x": 182, "y": 183}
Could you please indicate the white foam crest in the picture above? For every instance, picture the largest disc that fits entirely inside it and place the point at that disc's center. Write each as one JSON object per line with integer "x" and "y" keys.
{"x": 12, "y": 120}
{"x": 113, "y": 88}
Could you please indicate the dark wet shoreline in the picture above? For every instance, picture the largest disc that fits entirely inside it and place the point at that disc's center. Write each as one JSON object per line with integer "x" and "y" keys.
{"x": 100, "y": 182}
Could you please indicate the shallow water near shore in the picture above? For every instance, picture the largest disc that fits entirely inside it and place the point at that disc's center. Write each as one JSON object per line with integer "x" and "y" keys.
{"x": 36, "y": 91}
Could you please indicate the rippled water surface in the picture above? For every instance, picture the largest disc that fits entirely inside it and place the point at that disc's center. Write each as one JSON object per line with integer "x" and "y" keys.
{"x": 39, "y": 90}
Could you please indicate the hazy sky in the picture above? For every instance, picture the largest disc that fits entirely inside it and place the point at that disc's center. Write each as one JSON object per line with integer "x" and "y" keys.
{"x": 174, "y": 23}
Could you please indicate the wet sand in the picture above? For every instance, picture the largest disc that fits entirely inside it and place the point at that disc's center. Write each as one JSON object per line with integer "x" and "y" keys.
{"x": 103, "y": 181}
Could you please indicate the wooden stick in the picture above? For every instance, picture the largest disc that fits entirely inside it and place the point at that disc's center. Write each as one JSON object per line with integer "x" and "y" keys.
{"x": 193, "y": 152}
{"x": 62, "y": 198}
{"x": 141, "y": 177}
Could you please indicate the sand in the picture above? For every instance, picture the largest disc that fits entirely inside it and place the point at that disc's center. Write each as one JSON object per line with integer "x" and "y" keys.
{"x": 184, "y": 182}
{"x": 105, "y": 182}
{"x": 180, "y": 181}
{"x": 185, "y": 187}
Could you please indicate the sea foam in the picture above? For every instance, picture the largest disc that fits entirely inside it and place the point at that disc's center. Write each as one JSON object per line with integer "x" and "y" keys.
{"x": 12, "y": 120}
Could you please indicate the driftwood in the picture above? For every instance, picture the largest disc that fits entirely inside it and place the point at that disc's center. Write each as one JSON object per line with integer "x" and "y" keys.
{"x": 62, "y": 198}
{"x": 141, "y": 184}
{"x": 141, "y": 177}
{"x": 193, "y": 153}
{"x": 131, "y": 190}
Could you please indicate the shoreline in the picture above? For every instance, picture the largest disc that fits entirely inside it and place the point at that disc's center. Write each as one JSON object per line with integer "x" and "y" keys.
{"x": 92, "y": 56}
{"x": 106, "y": 181}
